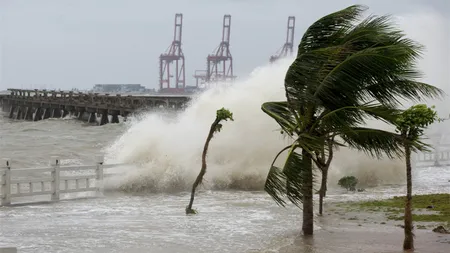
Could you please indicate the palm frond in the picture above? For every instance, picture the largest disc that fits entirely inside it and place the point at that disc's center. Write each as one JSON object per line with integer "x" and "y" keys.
{"x": 275, "y": 185}
{"x": 314, "y": 51}
{"x": 294, "y": 170}
{"x": 419, "y": 146}
{"x": 373, "y": 53}
{"x": 403, "y": 88}
{"x": 327, "y": 30}
{"x": 372, "y": 60}
{"x": 280, "y": 112}
{"x": 352, "y": 116}
{"x": 310, "y": 142}
{"x": 286, "y": 182}
{"x": 374, "y": 142}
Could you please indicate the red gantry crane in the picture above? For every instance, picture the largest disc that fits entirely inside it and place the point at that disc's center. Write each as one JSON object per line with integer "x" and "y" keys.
{"x": 169, "y": 80}
{"x": 288, "y": 47}
{"x": 219, "y": 65}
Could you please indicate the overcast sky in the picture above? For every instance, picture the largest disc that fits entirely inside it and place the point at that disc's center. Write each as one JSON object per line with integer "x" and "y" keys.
{"x": 66, "y": 44}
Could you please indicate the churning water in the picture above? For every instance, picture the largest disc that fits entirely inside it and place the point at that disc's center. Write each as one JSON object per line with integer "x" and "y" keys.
{"x": 168, "y": 151}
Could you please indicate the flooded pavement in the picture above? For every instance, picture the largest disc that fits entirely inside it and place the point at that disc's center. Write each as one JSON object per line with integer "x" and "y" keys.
{"x": 365, "y": 238}
{"x": 229, "y": 221}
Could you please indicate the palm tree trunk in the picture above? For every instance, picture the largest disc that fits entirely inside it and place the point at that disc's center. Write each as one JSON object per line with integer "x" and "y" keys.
{"x": 323, "y": 189}
{"x": 408, "y": 243}
{"x": 307, "y": 191}
{"x": 324, "y": 168}
{"x": 199, "y": 178}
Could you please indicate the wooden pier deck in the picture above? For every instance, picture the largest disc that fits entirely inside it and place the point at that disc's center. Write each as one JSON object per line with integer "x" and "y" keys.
{"x": 35, "y": 105}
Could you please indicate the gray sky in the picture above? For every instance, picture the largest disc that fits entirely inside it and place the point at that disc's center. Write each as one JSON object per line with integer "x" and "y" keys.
{"x": 66, "y": 44}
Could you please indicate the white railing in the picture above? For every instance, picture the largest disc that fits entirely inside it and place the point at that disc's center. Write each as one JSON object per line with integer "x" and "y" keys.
{"x": 432, "y": 159}
{"x": 439, "y": 156}
{"x": 53, "y": 180}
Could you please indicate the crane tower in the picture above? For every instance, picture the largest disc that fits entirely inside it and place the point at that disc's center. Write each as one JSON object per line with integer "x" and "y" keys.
{"x": 288, "y": 47}
{"x": 219, "y": 65}
{"x": 171, "y": 63}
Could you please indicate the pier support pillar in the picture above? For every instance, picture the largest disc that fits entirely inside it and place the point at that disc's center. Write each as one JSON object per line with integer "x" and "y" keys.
{"x": 29, "y": 113}
{"x": 65, "y": 113}
{"x": 104, "y": 120}
{"x": 80, "y": 114}
{"x": 11, "y": 111}
{"x": 115, "y": 118}
{"x": 46, "y": 113}
{"x": 19, "y": 112}
{"x": 92, "y": 117}
{"x": 125, "y": 116}
{"x": 37, "y": 114}
{"x": 56, "y": 113}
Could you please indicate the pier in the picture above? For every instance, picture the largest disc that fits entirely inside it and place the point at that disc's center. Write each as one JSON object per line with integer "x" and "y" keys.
{"x": 35, "y": 105}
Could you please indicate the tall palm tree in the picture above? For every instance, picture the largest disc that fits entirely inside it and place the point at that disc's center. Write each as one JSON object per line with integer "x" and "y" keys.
{"x": 411, "y": 124}
{"x": 345, "y": 72}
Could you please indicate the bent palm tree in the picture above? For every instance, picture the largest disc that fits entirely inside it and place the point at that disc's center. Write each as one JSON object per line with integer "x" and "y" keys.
{"x": 216, "y": 126}
{"x": 345, "y": 72}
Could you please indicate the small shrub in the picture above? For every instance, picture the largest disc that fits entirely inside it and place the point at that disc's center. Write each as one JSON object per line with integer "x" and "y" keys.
{"x": 348, "y": 183}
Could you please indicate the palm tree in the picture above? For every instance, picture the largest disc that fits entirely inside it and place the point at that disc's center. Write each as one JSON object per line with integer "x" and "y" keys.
{"x": 221, "y": 115}
{"x": 345, "y": 72}
{"x": 411, "y": 124}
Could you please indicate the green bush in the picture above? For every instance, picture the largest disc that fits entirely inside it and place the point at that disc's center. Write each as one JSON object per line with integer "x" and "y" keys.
{"x": 348, "y": 182}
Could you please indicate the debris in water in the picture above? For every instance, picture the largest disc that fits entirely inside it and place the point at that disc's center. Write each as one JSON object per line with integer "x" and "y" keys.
{"x": 441, "y": 230}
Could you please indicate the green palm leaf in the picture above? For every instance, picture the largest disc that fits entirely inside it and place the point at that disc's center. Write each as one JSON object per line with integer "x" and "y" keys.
{"x": 358, "y": 63}
{"x": 280, "y": 112}
{"x": 374, "y": 142}
{"x": 326, "y": 31}
{"x": 275, "y": 185}
{"x": 352, "y": 116}
{"x": 286, "y": 182}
